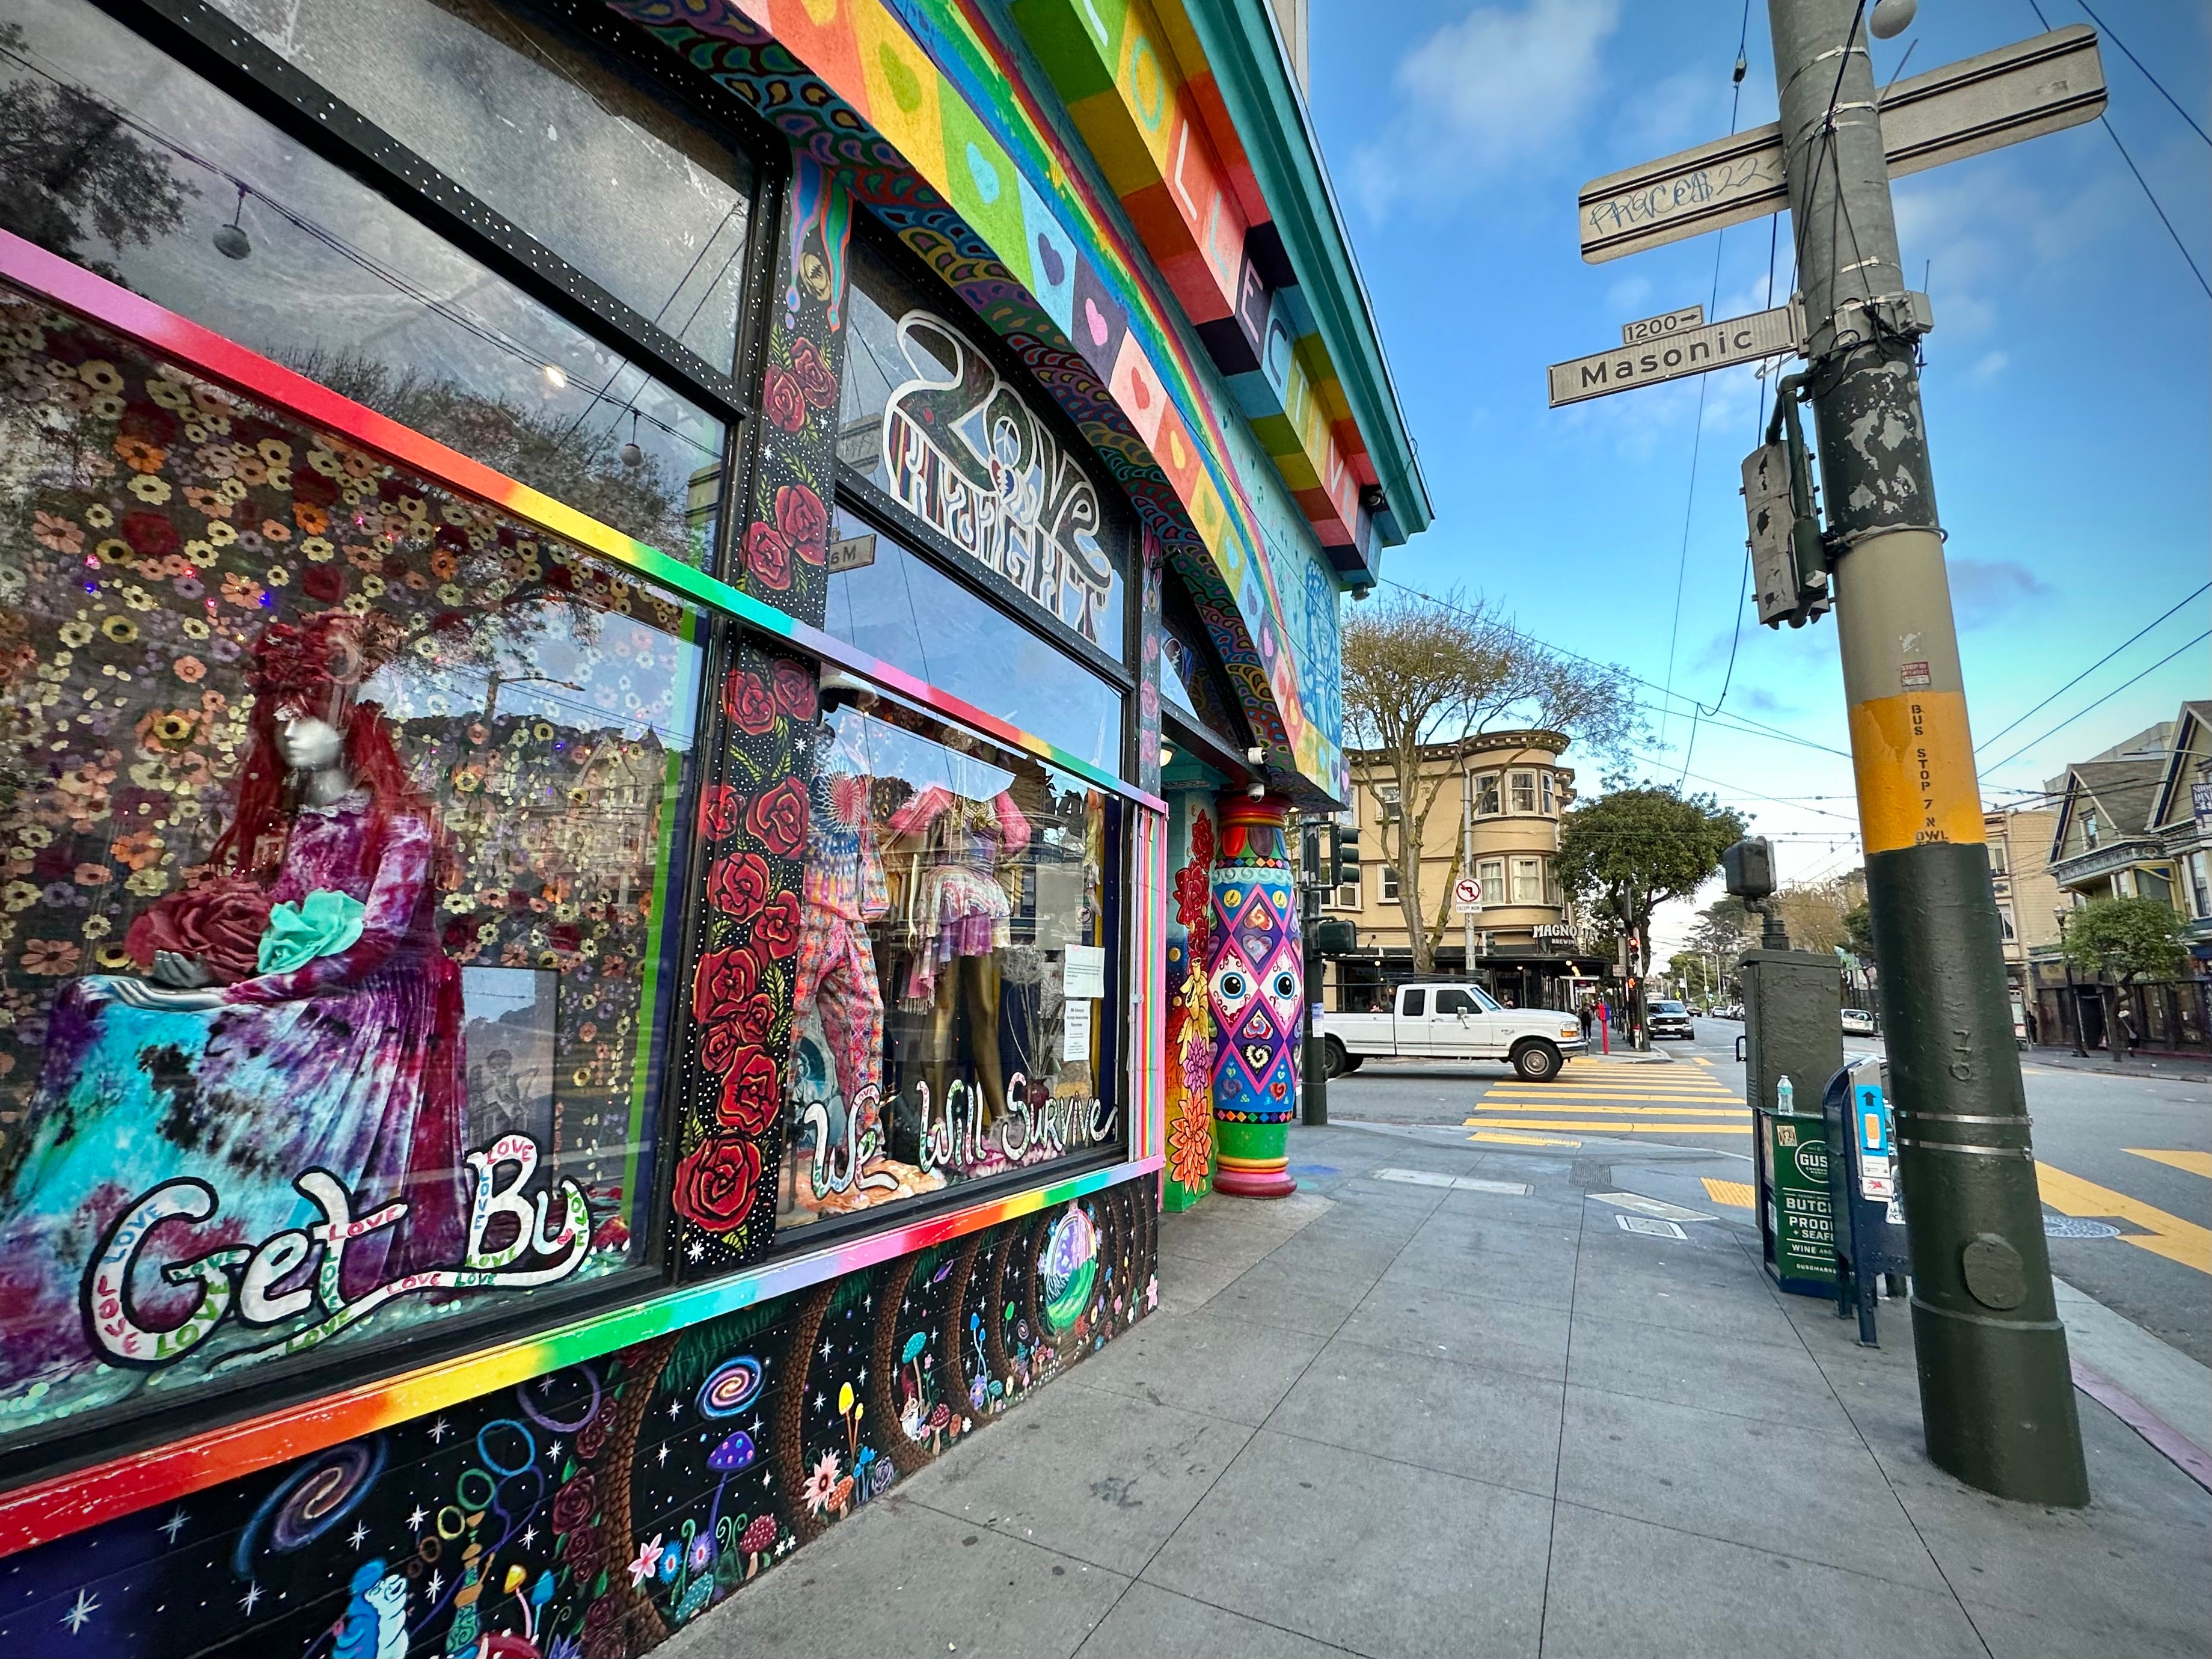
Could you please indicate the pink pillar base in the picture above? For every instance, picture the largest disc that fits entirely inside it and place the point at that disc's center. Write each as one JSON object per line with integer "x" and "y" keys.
{"x": 1254, "y": 1183}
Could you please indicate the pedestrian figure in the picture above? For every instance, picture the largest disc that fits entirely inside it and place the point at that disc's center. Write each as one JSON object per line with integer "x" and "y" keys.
{"x": 2126, "y": 1018}
{"x": 2027, "y": 1017}
{"x": 1588, "y": 1019}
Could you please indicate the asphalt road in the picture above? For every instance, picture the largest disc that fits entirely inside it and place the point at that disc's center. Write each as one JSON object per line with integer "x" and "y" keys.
{"x": 2092, "y": 1131}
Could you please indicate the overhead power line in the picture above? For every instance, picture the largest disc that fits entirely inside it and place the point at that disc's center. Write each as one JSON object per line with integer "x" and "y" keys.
{"x": 2107, "y": 30}
{"x": 2101, "y": 701}
{"x": 1748, "y": 727}
{"x": 2090, "y": 669}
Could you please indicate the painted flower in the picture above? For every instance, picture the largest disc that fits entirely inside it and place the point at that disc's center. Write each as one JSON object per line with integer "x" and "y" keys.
{"x": 50, "y": 958}
{"x": 821, "y": 1484}
{"x": 783, "y": 400}
{"x": 52, "y": 531}
{"x": 721, "y": 809}
{"x": 778, "y": 818}
{"x": 749, "y": 706}
{"x": 776, "y": 931}
{"x": 648, "y": 1561}
{"x": 738, "y": 885}
{"x": 768, "y": 555}
{"x": 815, "y": 383}
{"x": 715, "y": 1182}
{"x": 751, "y": 1094}
{"x": 1190, "y": 1144}
{"x": 150, "y": 534}
{"x": 576, "y": 1500}
{"x": 801, "y": 517}
{"x": 793, "y": 687}
{"x": 724, "y": 983}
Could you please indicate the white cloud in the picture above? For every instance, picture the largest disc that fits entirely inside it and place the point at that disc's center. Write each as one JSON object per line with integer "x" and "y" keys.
{"x": 1498, "y": 85}
{"x": 1991, "y": 365}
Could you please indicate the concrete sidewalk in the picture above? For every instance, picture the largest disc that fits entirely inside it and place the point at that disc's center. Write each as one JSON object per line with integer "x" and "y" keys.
{"x": 1410, "y": 1415}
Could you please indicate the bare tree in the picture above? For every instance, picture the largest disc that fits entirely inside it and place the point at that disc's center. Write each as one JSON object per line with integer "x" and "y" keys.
{"x": 1419, "y": 673}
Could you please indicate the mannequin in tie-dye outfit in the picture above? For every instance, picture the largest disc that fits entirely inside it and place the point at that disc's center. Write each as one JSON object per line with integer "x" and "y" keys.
{"x": 844, "y": 890}
{"x": 961, "y": 911}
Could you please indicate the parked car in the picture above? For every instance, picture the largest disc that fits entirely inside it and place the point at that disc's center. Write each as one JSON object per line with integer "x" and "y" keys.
{"x": 1857, "y": 1023}
{"x": 1436, "y": 1019}
{"x": 1671, "y": 1019}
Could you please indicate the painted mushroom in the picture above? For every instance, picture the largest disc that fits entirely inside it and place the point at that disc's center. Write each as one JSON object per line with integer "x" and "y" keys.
{"x": 938, "y": 1420}
{"x": 733, "y": 1456}
{"x": 758, "y": 1540}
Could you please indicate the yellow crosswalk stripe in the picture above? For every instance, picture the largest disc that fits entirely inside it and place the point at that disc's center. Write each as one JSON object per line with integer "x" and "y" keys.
{"x": 2194, "y": 1163}
{"x": 1737, "y": 1194}
{"x": 1520, "y": 1140}
{"x": 1619, "y": 1128}
{"x": 2164, "y": 1235}
{"x": 1623, "y": 1111}
{"x": 1538, "y": 1097}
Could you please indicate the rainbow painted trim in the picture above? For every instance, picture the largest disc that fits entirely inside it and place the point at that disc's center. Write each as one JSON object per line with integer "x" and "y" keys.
{"x": 112, "y": 306}
{"x": 69, "y": 1503}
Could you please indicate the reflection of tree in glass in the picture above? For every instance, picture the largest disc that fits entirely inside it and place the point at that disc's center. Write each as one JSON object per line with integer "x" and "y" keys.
{"x": 556, "y": 454}
{"x": 66, "y": 159}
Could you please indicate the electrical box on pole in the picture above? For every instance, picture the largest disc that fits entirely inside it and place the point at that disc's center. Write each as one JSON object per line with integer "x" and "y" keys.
{"x": 1789, "y": 565}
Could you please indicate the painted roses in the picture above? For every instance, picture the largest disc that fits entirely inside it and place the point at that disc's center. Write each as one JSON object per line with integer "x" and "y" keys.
{"x": 801, "y": 527}
{"x": 749, "y": 1093}
{"x": 716, "y": 1182}
{"x": 738, "y": 885}
{"x": 724, "y": 984}
{"x": 778, "y": 819}
{"x": 751, "y": 709}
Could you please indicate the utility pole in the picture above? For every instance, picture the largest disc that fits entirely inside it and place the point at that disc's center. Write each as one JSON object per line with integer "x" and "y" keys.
{"x": 1997, "y": 1394}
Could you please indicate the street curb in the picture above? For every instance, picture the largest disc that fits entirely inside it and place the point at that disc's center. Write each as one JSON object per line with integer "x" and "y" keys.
{"x": 2176, "y": 1447}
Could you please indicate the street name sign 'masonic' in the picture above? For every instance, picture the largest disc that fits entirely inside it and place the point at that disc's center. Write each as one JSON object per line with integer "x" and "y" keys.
{"x": 1671, "y": 356}
{"x": 2054, "y": 81}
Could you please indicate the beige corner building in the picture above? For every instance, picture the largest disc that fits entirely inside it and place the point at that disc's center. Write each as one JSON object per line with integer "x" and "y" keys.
{"x": 1494, "y": 820}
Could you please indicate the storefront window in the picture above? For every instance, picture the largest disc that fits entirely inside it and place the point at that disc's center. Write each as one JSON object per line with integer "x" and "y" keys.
{"x": 338, "y": 814}
{"x": 925, "y": 414}
{"x": 138, "y": 169}
{"x": 956, "y": 995}
{"x": 501, "y": 100}
{"x": 895, "y": 605}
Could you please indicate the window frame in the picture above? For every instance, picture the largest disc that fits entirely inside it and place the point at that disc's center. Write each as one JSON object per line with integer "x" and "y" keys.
{"x": 875, "y": 241}
{"x": 206, "y": 41}
{"x": 294, "y": 1391}
{"x": 1519, "y": 779}
{"x": 1534, "y": 869}
{"x": 1482, "y": 869}
{"x": 1387, "y": 885}
{"x": 1547, "y": 792}
{"x": 1488, "y": 794}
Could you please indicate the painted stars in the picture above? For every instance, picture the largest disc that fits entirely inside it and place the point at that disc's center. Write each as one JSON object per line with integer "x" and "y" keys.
{"x": 358, "y": 1536}
{"x": 439, "y": 1430}
{"x": 415, "y": 1517}
{"x": 695, "y": 1250}
{"x": 663, "y": 1456}
{"x": 174, "y": 1524}
{"x": 826, "y": 1349}
{"x": 675, "y": 1410}
{"x": 435, "y": 1585}
{"x": 251, "y": 1598}
{"x": 529, "y": 1534}
{"x": 553, "y": 1450}
{"x": 86, "y": 1606}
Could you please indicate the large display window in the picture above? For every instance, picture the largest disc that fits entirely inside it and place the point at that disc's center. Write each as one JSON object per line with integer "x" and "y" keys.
{"x": 338, "y": 813}
{"x": 127, "y": 162}
{"x": 955, "y": 995}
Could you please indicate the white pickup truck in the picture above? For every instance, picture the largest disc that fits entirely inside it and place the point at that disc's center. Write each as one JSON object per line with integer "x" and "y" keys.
{"x": 1445, "y": 1020}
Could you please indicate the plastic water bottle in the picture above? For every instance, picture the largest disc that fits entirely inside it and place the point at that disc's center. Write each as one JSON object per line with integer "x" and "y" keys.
{"x": 1785, "y": 1096}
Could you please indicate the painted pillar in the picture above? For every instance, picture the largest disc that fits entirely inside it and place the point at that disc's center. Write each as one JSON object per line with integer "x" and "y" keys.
{"x": 1257, "y": 993}
{"x": 1190, "y": 1018}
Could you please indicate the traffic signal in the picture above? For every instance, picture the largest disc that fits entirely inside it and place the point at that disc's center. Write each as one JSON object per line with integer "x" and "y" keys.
{"x": 1781, "y": 502}
{"x": 1346, "y": 863}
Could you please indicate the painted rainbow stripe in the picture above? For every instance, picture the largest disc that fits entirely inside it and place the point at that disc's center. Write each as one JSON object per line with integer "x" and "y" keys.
{"x": 208, "y": 353}
{"x": 68, "y": 1503}
{"x": 1149, "y": 1035}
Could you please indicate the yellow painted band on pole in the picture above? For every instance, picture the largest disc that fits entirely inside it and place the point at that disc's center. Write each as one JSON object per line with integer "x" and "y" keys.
{"x": 1913, "y": 756}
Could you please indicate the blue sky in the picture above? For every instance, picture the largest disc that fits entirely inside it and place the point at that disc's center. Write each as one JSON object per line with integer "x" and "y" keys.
{"x": 2066, "y": 382}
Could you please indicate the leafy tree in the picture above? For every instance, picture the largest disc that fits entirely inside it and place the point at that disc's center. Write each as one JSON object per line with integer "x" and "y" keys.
{"x": 1631, "y": 851}
{"x": 2124, "y": 940}
{"x": 1858, "y": 928}
{"x": 1419, "y": 673}
{"x": 71, "y": 169}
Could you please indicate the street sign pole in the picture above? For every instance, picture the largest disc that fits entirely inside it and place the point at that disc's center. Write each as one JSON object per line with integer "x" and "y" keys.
{"x": 1997, "y": 1394}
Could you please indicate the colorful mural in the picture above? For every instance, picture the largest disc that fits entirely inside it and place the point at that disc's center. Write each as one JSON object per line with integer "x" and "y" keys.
{"x": 1256, "y": 994}
{"x": 911, "y": 110}
{"x": 593, "y": 1509}
{"x": 1190, "y": 1059}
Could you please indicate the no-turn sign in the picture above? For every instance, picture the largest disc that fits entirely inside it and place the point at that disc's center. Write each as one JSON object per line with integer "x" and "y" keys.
{"x": 1466, "y": 895}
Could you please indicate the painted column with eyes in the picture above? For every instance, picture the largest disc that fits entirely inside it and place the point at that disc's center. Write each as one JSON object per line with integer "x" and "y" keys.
{"x": 1257, "y": 989}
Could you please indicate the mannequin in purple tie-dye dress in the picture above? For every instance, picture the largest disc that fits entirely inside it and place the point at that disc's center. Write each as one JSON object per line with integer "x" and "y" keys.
{"x": 345, "y": 1056}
